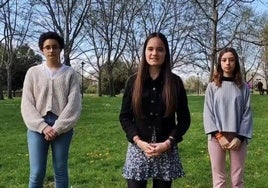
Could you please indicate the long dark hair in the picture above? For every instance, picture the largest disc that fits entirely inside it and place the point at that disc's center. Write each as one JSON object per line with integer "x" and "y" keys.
{"x": 168, "y": 94}
{"x": 236, "y": 73}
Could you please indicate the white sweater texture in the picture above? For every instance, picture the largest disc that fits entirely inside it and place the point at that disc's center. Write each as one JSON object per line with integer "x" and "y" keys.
{"x": 59, "y": 94}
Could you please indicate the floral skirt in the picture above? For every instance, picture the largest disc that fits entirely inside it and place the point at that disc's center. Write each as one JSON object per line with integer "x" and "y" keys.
{"x": 139, "y": 167}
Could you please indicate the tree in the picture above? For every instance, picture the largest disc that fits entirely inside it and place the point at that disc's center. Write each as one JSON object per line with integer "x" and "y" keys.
{"x": 111, "y": 21}
{"x": 95, "y": 57}
{"x": 217, "y": 27}
{"x": 3, "y": 3}
{"x": 16, "y": 22}
{"x": 264, "y": 65}
{"x": 25, "y": 58}
{"x": 194, "y": 84}
{"x": 2, "y": 71}
{"x": 67, "y": 17}
{"x": 172, "y": 18}
{"x": 119, "y": 77}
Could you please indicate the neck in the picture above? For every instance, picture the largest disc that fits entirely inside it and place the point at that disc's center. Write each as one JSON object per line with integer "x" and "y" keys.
{"x": 227, "y": 75}
{"x": 53, "y": 64}
{"x": 154, "y": 72}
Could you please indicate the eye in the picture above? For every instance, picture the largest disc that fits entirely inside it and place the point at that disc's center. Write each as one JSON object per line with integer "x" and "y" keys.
{"x": 160, "y": 49}
{"x": 54, "y": 47}
{"x": 232, "y": 60}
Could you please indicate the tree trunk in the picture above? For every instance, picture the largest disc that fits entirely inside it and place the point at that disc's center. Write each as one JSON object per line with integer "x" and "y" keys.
{"x": 99, "y": 84}
{"x": 67, "y": 60}
{"x": 9, "y": 83}
{"x": 111, "y": 86}
{"x": 213, "y": 57}
{"x": 111, "y": 80}
{"x": 1, "y": 91}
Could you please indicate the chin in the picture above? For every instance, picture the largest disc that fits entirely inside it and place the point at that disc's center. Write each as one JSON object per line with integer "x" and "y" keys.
{"x": 155, "y": 64}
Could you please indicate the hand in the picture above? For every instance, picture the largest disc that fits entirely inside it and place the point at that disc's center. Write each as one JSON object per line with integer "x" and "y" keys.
{"x": 235, "y": 143}
{"x": 159, "y": 148}
{"x": 146, "y": 148}
{"x": 223, "y": 142}
{"x": 50, "y": 133}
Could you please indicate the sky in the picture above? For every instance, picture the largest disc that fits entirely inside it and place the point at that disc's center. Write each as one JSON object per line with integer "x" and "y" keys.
{"x": 261, "y": 6}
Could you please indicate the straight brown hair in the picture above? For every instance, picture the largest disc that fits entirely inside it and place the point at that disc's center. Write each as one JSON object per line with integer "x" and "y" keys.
{"x": 237, "y": 71}
{"x": 169, "y": 94}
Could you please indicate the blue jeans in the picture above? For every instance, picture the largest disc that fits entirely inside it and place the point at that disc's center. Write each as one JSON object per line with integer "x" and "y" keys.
{"x": 38, "y": 152}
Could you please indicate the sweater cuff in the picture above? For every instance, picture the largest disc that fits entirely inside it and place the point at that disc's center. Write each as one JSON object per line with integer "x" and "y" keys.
{"x": 41, "y": 127}
{"x": 241, "y": 138}
{"x": 214, "y": 133}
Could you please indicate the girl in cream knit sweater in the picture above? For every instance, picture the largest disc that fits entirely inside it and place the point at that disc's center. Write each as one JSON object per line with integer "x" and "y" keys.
{"x": 50, "y": 107}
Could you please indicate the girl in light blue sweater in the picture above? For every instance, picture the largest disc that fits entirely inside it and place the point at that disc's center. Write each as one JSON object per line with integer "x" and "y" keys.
{"x": 227, "y": 120}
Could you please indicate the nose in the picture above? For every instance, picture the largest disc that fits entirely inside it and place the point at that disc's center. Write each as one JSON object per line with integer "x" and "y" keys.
{"x": 154, "y": 52}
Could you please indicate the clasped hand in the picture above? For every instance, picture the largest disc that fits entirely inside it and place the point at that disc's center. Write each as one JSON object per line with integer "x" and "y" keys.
{"x": 226, "y": 145}
{"x": 50, "y": 133}
{"x": 152, "y": 149}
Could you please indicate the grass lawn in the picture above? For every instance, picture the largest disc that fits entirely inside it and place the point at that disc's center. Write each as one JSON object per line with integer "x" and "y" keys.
{"x": 98, "y": 148}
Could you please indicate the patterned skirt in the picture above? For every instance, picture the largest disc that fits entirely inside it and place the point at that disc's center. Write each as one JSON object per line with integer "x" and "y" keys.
{"x": 139, "y": 167}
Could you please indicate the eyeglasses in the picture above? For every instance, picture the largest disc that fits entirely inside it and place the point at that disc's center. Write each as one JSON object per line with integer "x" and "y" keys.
{"x": 51, "y": 47}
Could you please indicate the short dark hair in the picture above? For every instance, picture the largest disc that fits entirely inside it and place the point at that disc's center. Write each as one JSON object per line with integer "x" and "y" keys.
{"x": 50, "y": 35}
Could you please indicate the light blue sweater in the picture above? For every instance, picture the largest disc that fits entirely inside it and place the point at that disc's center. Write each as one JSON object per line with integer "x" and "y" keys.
{"x": 227, "y": 108}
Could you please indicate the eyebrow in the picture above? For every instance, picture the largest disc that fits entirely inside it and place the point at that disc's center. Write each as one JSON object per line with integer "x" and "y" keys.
{"x": 158, "y": 47}
{"x": 228, "y": 58}
{"x": 52, "y": 46}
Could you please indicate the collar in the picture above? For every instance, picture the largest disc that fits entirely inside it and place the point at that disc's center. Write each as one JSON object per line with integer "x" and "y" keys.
{"x": 229, "y": 79}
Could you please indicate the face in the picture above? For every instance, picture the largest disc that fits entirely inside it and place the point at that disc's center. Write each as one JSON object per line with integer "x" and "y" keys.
{"x": 51, "y": 50}
{"x": 228, "y": 64}
{"x": 155, "y": 52}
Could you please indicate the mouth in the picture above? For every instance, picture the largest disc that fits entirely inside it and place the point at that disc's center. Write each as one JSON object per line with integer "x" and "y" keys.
{"x": 154, "y": 59}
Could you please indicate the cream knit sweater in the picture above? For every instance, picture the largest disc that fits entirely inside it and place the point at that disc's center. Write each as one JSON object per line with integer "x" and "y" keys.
{"x": 59, "y": 94}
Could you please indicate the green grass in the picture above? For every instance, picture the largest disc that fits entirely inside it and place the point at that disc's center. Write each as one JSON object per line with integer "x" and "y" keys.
{"x": 98, "y": 148}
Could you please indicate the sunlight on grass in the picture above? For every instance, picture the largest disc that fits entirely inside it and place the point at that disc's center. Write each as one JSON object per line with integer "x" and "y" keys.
{"x": 99, "y": 146}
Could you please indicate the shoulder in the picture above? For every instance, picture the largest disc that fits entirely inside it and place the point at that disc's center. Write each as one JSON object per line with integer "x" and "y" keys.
{"x": 131, "y": 79}
{"x": 68, "y": 68}
{"x": 177, "y": 78}
{"x": 245, "y": 87}
{"x": 35, "y": 69}
{"x": 68, "y": 71}
{"x": 211, "y": 87}
{"x": 212, "y": 84}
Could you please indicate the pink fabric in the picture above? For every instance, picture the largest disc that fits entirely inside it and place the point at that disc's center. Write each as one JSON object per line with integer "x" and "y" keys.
{"x": 218, "y": 163}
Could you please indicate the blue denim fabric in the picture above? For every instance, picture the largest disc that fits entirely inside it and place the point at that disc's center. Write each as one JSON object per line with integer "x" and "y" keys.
{"x": 50, "y": 118}
{"x": 38, "y": 152}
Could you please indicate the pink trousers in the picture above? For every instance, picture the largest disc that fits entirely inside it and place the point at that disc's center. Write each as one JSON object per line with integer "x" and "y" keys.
{"x": 218, "y": 164}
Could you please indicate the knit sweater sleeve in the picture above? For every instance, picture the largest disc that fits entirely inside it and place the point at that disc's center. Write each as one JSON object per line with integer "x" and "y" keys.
{"x": 31, "y": 116}
{"x": 70, "y": 114}
{"x": 208, "y": 115}
{"x": 246, "y": 126}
